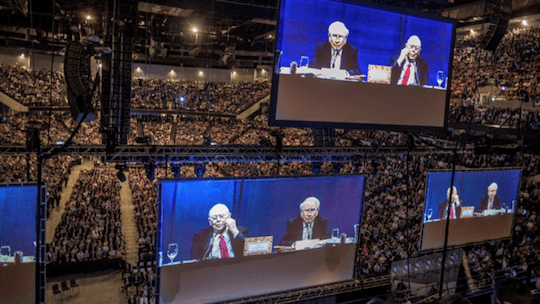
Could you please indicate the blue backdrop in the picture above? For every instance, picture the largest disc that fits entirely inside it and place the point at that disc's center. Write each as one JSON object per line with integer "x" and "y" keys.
{"x": 262, "y": 205}
{"x": 471, "y": 187}
{"x": 376, "y": 33}
{"x": 18, "y": 218}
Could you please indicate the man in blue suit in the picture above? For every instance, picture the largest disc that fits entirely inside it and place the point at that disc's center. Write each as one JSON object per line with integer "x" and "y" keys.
{"x": 336, "y": 53}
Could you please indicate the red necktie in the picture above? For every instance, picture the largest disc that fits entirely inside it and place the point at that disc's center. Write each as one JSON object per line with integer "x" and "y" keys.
{"x": 451, "y": 213}
{"x": 406, "y": 76}
{"x": 223, "y": 248}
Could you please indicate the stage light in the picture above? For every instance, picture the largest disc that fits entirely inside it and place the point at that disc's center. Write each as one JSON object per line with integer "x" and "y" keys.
{"x": 336, "y": 167}
{"x": 200, "y": 169}
{"x": 138, "y": 69}
{"x": 88, "y": 17}
{"x": 472, "y": 31}
{"x": 172, "y": 71}
{"x": 120, "y": 174}
{"x": 175, "y": 168}
{"x": 100, "y": 65}
{"x": 234, "y": 73}
{"x": 150, "y": 173}
{"x": 22, "y": 55}
{"x": 195, "y": 30}
{"x": 524, "y": 22}
{"x": 316, "y": 168}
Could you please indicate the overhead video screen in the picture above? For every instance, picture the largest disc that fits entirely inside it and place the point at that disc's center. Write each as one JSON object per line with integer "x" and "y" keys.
{"x": 341, "y": 64}
{"x": 481, "y": 208}
{"x": 18, "y": 242}
{"x": 231, "y": 238}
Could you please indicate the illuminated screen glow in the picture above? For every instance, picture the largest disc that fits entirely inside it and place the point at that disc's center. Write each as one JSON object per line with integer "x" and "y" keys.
{"x": 17, "y": 239}
{"x": 313, "y": 97}
{"x": 264, "y": 207}
{"x": 475, "y": 219}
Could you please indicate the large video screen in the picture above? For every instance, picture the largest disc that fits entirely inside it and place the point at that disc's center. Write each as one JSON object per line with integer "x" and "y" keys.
{"x": 481, "y": 208}
{"x": 232, "y": 238}
{"x": 346, "y": 65}
{"x": 18, "y": 242}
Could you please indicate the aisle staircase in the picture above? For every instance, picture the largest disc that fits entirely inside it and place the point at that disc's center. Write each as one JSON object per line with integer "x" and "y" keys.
{"x": 55, "y": 216}
{"x": 129, "y": 227}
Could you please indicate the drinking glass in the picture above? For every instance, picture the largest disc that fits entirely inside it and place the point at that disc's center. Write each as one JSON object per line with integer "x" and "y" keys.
{"x": 173, "y": 251}
{"x": 5, "y": 253}
{"x": 335, "y": 233}
{"x": 429, "y": 214}
{"x": 304, "y": 61}
{"x": 440, "y": 78}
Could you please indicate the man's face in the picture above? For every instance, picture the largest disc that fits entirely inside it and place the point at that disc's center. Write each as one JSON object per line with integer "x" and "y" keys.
{"x": 309, "y": 212}
{"x": 218, "y": 220}
{"x": 337, "y": 40}
{"x": 454, "y": 195}
{"x": 492, "y": 191}
{"x": 414, "y": 50}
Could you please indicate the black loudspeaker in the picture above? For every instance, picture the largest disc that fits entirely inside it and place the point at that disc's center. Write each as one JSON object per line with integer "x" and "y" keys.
{"x": 502, "y": 10}
{"x": 77, "y": 75}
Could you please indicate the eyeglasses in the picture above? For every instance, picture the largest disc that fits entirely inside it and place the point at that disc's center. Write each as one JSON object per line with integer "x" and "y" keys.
{"x": 218, "y": 217}
{"x": 414, "y": 47}
{"x": 311, "y": 210}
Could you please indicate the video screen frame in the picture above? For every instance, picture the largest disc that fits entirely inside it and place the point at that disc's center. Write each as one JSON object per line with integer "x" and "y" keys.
{"x": 309, "y": 123}
{"x": 483, "y": 211}
{"x": 39, "y": 218}
{"x": 161, "y": 252}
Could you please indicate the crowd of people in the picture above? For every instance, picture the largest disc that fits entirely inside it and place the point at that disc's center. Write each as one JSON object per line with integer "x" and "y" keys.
{"x": 90, "y": 228}
{"x": 33, "y": 88}
{"x": 226, "y": 98}
{"x": 391, "y": 226}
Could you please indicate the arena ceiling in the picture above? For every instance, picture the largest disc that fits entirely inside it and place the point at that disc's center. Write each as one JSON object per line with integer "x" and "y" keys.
{"x": 239, "y": 33}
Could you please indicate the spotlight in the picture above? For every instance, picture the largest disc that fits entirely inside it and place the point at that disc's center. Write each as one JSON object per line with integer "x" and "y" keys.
{"x": 200, "y": 169}
{"x": 175, "y": 168}
{"x": 195, "y": 30}
{"x": 524, "y": 22}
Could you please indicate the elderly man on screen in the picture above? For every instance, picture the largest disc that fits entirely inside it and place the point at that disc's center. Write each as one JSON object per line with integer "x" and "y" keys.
{"x": 308, "y": 225}
{"x": 408, "y": 68}
{"x": 223, "y": 239}
{"x": 336, "y": 53}
{"x": 455, "y": 206}
{"x": 491, "y": 200}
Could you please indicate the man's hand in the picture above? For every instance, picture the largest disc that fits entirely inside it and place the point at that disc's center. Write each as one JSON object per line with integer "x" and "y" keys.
{"x": 404, "y": 53}
{"x": 231, "y": 224}
{"x": 455, "y": 200}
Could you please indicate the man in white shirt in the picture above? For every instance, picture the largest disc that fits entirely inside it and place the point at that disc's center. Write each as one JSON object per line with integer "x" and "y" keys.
{"x": 223, "y": 239}
{"x": 408, "y": 68}
{"x": 336, "y": 53}
{"x": 491, "y": 200}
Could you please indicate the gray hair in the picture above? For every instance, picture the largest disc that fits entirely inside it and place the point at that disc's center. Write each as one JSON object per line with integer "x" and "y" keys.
{"x": 311, "y": 199}
{"x": 494, "y": 185}
{"x": 217, "y": 209}
{"x": 338, "y": 27}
